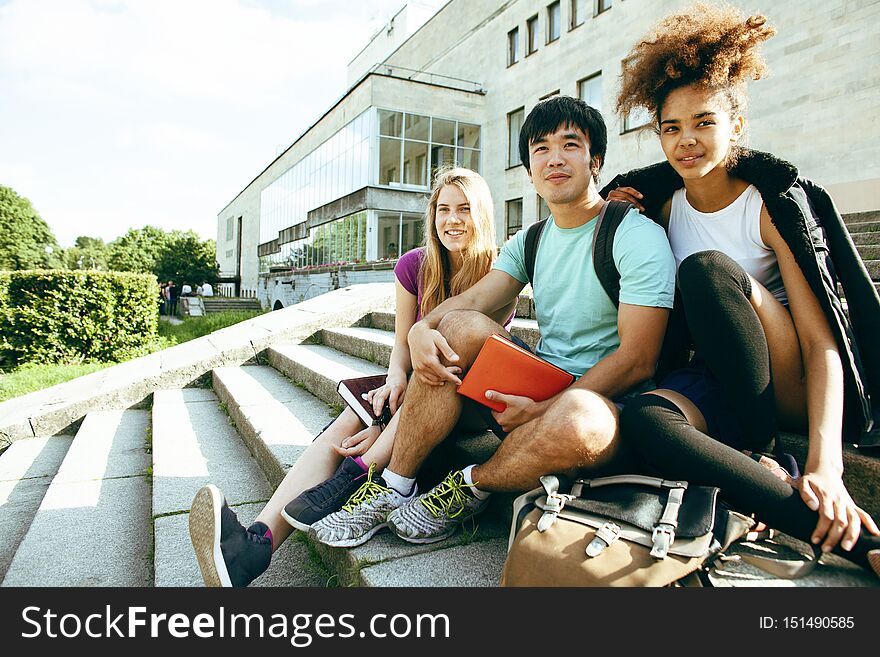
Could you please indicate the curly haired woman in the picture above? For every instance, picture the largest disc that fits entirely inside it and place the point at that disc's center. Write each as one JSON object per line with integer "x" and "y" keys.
{"x": 772, "y": 345}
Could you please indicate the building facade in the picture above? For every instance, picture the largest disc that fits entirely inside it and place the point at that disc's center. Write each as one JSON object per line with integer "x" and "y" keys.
{"x": 347, "y": 198}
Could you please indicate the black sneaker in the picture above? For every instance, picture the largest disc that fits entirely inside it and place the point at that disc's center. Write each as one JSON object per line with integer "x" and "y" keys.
{"x": 228, "y": 554}
{"x": 325, "y": 498}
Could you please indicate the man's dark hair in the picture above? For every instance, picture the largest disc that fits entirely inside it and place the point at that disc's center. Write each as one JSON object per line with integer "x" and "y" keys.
{"x": 561, "y": 111}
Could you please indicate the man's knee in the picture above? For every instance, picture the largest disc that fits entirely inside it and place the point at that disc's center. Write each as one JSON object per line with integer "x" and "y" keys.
{"x": 466, "y": 330}
{"x": 585, "y": 421}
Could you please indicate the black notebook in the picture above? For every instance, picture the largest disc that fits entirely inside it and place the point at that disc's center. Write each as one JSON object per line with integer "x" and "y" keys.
{"x": 353, "y": 391}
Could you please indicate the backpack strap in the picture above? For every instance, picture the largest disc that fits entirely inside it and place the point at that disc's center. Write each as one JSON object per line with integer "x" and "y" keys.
{"x": 603, "y": 247}
{"x": 533, "y": 236}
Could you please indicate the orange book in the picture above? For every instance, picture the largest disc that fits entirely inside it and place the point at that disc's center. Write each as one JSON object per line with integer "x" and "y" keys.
{"x": 509, "y": 369}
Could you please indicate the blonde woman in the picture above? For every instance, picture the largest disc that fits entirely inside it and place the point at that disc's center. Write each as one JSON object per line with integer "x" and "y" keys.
{"x": 459, "y": 250}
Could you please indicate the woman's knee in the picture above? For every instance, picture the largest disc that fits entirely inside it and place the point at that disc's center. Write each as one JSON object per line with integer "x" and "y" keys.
{"x": 708, "y": 271}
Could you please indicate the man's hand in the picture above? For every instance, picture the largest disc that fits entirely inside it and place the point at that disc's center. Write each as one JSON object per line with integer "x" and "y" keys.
{"x": 426, "y": 347}
{"x": 519, "y": 410}
{"x": 840, "y": 520}
{"x": 628, "y": 194}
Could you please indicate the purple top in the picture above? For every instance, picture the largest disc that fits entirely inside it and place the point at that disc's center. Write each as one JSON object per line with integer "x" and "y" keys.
{"x": 407, "y": 272}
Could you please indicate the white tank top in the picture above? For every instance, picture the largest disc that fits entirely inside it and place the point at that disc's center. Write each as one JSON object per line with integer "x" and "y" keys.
{"x": 734, "y": 230}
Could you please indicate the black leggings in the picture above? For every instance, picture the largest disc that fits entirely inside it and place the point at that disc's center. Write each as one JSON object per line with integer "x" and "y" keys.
{"x": 728, "y": 335}
{"x": 669, "y": 446}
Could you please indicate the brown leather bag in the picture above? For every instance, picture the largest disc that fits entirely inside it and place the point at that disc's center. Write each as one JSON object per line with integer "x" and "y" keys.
{"x": 626, "y": 530}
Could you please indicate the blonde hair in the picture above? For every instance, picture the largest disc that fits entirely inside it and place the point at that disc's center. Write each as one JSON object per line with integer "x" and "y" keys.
{"x": 435, "y": 275}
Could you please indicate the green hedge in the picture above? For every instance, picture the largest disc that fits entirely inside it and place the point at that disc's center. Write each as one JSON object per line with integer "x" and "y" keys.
{"x": 74, "y": 316}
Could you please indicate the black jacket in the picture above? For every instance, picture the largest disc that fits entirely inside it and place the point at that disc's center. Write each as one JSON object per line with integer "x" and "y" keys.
{"x": 812, "y": 227}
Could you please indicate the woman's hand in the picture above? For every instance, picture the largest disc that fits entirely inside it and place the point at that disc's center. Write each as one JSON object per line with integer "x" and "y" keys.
{"x": 840, "y": 520}
{"x": 359, "y": 443}
{"x": 628, "y": 194}
{"x": 392, "y": 392}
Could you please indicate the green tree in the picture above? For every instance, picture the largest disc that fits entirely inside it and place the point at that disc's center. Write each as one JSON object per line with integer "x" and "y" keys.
{"x": 139, "y": 250}
{"x": 88, "y": 253}
{"x": 186, "y": 258}
{"x": 26, "y": 241}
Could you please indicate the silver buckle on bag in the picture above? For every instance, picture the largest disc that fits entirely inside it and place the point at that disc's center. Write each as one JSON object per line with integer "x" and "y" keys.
{"x": 605, "y": 536}
{"x": 554, "y": 504}
{"x": 662, "y": 538}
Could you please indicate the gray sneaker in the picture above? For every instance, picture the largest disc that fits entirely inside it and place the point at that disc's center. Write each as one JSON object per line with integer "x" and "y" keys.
{"x": 362, "y": 516}
{"x": 436, "y": 515}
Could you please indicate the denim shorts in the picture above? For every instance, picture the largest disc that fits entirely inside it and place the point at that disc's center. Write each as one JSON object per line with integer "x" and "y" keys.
{"x": 700, "y": 386}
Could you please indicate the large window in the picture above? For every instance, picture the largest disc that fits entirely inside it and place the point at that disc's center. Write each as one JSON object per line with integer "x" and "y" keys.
{"x": 513, "y": 215}
{"x": 513, "y": 46}
{"x": 554, "y": 21}
{"x": 398, "y": 232}
{"x": 636, "y": 119}
{"x": 602, "y": 5}
{"x": 514, "y": 125}
{"x": 590, "y": 91}
{"x": 413, "y": 146}
{"x": 543, "y": 209}
{"x": 532, "y": 35}
{"x": 578, "y": 13}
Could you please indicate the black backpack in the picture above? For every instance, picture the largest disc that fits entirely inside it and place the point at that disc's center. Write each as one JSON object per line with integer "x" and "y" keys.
{"x": 603, "y": 243}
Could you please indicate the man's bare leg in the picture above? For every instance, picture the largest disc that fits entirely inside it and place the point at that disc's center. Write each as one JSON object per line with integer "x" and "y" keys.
{"x": 430, "y": 412}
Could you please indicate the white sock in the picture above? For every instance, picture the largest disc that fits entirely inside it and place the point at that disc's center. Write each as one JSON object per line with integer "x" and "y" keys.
{"x": 405, "y": 486}
{"x": 479, "y": 494}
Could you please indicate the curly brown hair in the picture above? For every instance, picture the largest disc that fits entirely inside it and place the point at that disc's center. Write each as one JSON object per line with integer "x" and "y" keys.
{"x": 714, "y": 46}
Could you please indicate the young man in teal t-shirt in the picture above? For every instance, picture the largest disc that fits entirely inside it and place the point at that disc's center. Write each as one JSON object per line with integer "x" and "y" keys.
{"x": 612, "y": 351}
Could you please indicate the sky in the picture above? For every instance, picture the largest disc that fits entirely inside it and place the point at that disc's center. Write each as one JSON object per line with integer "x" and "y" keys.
{"x": 116, "y": 114}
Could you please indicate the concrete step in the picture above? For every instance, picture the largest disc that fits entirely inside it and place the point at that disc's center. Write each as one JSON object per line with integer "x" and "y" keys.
{"x": 873, "y": 267}
{"x": 320, "y": 368}
{"x": 194, "y": 443}
{"x": 869, "y": 252}
{"x": 866, "y": 239}
{"x": 93, "y": 527}
{"x": 524, "y": 328}
{"x": 372, "y": 344}
{"x": 861, "y": 217}
{"x": 26, "y": 470}
{"x": 276, "y": 419}
{"x": 864, "y": 227}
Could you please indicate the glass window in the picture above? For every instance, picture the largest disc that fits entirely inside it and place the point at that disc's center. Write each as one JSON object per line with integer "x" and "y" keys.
{"x": 602, "y": 5}
{"x": 514, "y": 124}
{"x": 636, "y": 119}
{"x": 389, "y": 234}
{"x": 469, "y": 159}
{"x": 513, "y": 215}
{"x": 590, "y": 91}
{"x": 513, "y": 46}
{"x": 578, "y": 12}
{"x": 411, "y": 232}
{"x": 443, "y": 131}
{"x": 417, "y": 127}
{"x": 441, "y": 156}
{"x": 554, "y": 20}
{"x": 532, "y": 29}
{"x": 543, "y": 209}
{"x": 389, "y": 161}
{"x": 229, "y": 229}
{"x": 415, "y": 163}
{"x": 468, "y": 135}
{"x": 390, "y": 123}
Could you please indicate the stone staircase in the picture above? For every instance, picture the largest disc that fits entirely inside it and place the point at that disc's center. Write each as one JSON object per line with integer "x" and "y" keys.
{"x": 109, "y": 505}
{"x": 864, "y": 227}
{"x": 219, "y": 304}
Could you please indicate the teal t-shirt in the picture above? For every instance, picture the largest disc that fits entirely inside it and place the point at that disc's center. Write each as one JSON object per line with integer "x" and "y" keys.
{"x": 577, "y": 320}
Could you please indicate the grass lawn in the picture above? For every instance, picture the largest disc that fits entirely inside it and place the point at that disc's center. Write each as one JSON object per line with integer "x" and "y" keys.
{"x": 30, "y": 377}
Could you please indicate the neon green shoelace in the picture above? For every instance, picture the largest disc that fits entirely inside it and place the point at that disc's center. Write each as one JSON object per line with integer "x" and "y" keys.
{"x": 448, "y": 494}
{"x": 368, "y": 491}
